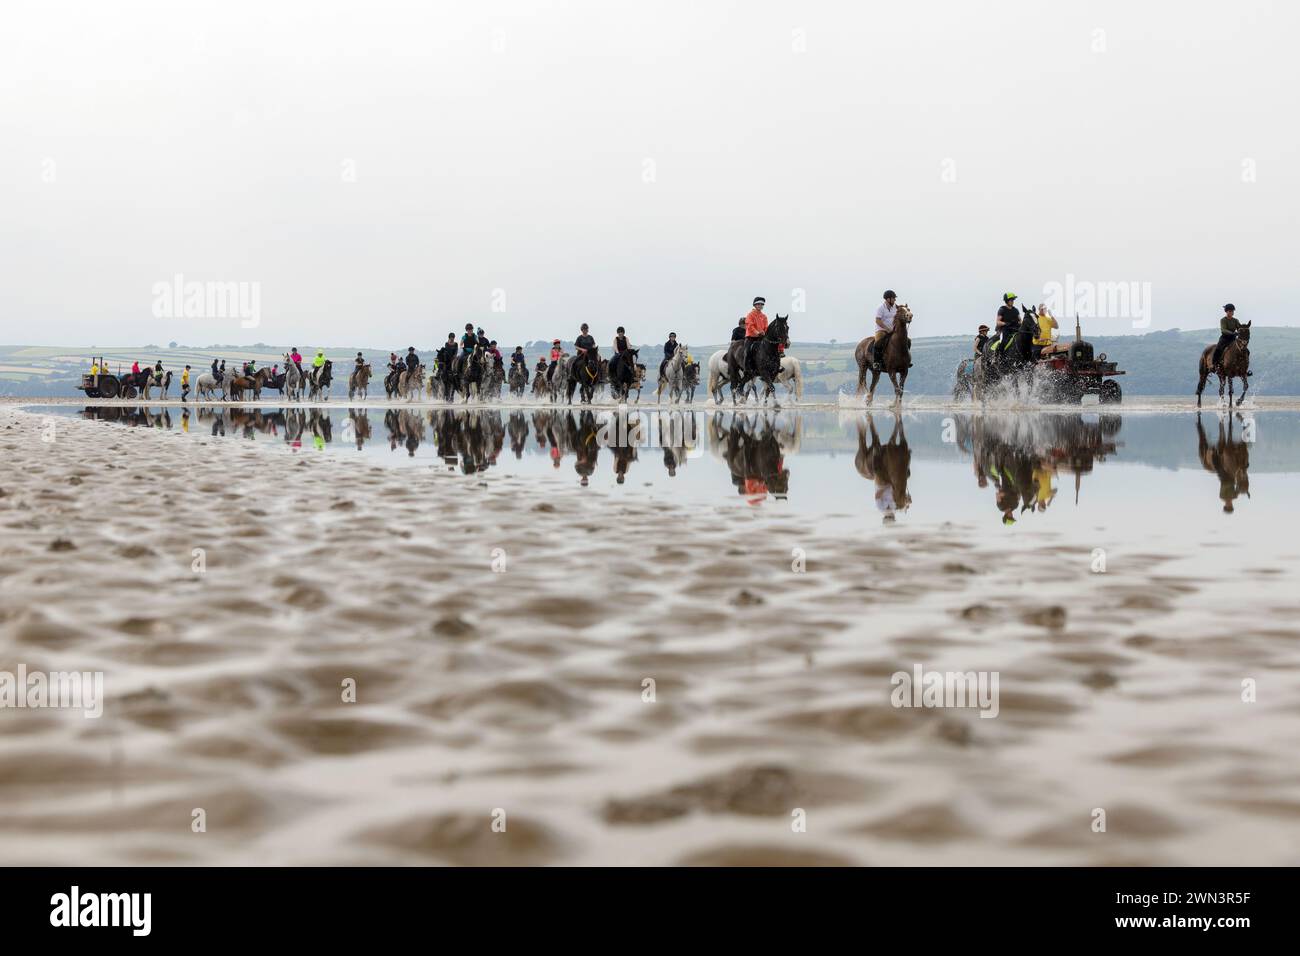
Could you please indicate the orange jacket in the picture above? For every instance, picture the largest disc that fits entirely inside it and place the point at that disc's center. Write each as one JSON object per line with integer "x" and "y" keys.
{"x": 755, "y": 323}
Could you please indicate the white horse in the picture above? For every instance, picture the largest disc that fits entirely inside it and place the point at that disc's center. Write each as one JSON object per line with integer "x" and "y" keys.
{"x": 206, "y": 385}
{"x": 718, "y": 374}
{"x": 791, "y": 376}
{"x": 292, "y": 380}
{"x": 674, "y": 376}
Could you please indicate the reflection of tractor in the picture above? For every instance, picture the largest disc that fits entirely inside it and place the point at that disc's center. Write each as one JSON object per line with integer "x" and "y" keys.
{"x": 101, "y": 384}
{"x": 1072, "y": 372}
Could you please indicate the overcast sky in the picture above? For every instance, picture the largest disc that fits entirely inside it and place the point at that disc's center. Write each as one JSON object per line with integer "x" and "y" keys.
{"x": 381, "y": 173}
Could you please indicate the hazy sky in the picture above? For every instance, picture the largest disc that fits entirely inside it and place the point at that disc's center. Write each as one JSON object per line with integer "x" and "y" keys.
{"x": 380, "y": 173}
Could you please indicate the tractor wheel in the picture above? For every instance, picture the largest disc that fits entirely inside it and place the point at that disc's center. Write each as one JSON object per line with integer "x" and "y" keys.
{"x": 108, "y": 387}
{"x": 129, "y": 391}
{"x": 1110, "y": 393}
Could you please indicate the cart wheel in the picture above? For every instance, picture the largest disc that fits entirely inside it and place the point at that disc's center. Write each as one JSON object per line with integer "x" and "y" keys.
{"x": 1110, "y": 392}
{"x": 108, "y": 387}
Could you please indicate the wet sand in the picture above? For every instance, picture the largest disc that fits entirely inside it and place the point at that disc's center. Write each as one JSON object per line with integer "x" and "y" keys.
{"x": 522, "y": 690}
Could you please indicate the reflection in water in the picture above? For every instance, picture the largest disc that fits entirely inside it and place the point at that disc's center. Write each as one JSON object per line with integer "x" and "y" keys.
{"x": 1229, "y": 459}
{"x": 1021, "y": 458}
{"x": 888, "y": 464}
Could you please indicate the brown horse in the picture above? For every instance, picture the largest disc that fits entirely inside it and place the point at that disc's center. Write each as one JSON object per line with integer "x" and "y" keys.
{"x": 895, "y": 359}
{"x": 238, "y": 384}
{"x": 1235, "y": 364}
{"x": 888, "y": 464}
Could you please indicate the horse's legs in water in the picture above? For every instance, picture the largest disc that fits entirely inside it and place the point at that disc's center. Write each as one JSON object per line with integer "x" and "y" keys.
{"x": 875, "y": 377}
{"x": 1221, "y": 383}
{"x": 1229, "y": 392}
{"x": 1245, "y": 384}
{"x": 1200, "y": 386}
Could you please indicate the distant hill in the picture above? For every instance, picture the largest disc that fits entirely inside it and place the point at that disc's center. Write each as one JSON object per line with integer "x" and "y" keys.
{"x": 1158, "y": 363}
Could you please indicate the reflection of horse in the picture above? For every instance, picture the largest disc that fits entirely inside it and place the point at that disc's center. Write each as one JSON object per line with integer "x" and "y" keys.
{"x": 893, "y": 355}
{"x": 752, "y": 448}
{"x": 1021, "y": 455}
{"x": 888, "y": 464}
{"x": 1235, "y": 363}
{"x": 1229, "y": 459}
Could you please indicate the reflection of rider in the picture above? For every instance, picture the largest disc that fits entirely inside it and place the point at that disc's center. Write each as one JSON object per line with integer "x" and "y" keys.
{"x": 1008, "y": 321}
{"x": 884, "y": 325}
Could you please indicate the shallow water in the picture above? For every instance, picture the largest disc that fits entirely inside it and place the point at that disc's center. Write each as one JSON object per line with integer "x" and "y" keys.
{"x": 1161, "y": 477}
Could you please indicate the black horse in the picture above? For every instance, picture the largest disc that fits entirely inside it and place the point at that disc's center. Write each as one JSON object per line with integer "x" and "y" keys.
{"x": 764, "y": 360}
{"x": 622, "y": 374}
{"x": 584, "y": 373}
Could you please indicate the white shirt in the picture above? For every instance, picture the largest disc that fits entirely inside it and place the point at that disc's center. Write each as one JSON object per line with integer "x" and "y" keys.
{"x": 885, "y": 315}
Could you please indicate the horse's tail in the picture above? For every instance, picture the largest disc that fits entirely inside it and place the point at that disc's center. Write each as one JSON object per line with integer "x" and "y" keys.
{"x": 798, "y": 382}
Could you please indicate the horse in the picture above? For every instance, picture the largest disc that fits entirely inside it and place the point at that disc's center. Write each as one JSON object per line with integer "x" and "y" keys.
{"x": 539, "y": 383}
{"x": 583, "y": 373}
{"x": 1234, "y": 364}
{"x": 963, "y": 385}
{"x": 318, "y": 381}
{"x": 293, "y": 379}
{"x": 207, "y": 384}
{"x": 718, "y": 374}
{"x": 410, "y": 383}
{"x": 471, "y": 372}
{"x": 518, "y": 379}
{"x": 622, "y": 374}
{"x": 493, "y": 379}
{"x": 163, "y": 385}
{"x": 889, "y": 465}
{"x": 558, "y": 383}
{"x": 691, "y": 381}
{"x": 673, "y": 375}
{"x": 993, "y": 364}
{"x": 791, "y": 376}
{"x": 238, "y": 384}
{"x": 894, "y": 355}
{"x": 766, "y": 360}
{"x": 359, "y": 381}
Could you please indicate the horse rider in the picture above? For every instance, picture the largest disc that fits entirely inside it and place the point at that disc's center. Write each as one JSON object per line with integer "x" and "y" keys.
{"x": 583, "y": 342}
{"x": 359, "y": 361}
{"x": 412, "y": 360}
{"x": 158, "y": 368}
{"x": 884, "y": 325}
{"x": 483, "y": 342}
{"x": 1046, "y": 322}
{"x": 248, "y": 367}
{"x": 1008, "y": 321}
{"x": 981, "y": 339}
{"x": 296, "y": 359}
{"x": 1228, "y": 326}
{"x": 317, "y": 364}
{"x": 215, "y": 374}
{"x": 447, "y": 354}
{"x": 517, "y": 358}
{"x": 497, "y": 360}
{"x": 755, "y": 326}
{"x": 469, "y": 341}
{"x": 135, "y": 368}
{"x": 621, "y": 345}
{"x": 557, "y": 353}
{"x": 670, "y": 349}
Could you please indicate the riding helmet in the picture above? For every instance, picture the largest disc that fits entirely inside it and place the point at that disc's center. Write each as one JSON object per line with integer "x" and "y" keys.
{"x": 1010, "y": 296}
{"x": 890, "y": 294}
{"x": 1229, "y": 308}
{"x": 759, "y": 300}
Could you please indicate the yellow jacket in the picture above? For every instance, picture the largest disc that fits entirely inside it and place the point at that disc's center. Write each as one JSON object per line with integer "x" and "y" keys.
{"x": 1045, "y": 325}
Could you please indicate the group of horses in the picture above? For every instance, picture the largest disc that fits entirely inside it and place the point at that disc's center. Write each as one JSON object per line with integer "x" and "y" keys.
{"x": 315, "y": 381}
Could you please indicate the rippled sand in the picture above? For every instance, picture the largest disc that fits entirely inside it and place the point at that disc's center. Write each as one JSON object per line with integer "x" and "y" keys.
{"x": 480, "y": 692}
